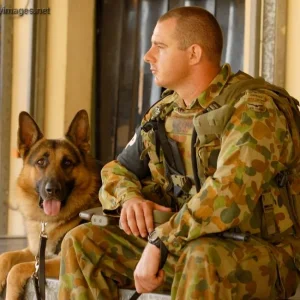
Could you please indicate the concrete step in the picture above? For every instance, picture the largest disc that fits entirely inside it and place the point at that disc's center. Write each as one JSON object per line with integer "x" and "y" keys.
{"x": 125, "y": 294}
{"x": 52, "y": 292}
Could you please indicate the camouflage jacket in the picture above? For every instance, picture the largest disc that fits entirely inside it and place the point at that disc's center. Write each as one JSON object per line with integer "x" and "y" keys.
{"x": 236, "y": 167}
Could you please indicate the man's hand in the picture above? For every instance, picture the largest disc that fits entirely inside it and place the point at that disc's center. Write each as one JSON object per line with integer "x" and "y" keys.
{"x": 147, "y": 276}
{"x": 137, "y": 216}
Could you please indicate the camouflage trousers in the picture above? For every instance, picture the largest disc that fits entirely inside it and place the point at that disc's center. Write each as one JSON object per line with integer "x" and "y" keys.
{"x": 96, "y": 261}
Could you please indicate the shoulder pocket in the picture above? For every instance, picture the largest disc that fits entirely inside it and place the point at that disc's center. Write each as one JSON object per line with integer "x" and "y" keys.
{"x": 212, "y": 123}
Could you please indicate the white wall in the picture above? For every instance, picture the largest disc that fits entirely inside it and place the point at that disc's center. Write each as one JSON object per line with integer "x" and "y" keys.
{"x": 22, "y": 27}
{"x": 69, "y": 69}
{"x": 55, "y": 94}
{"x": 69, "y": 63}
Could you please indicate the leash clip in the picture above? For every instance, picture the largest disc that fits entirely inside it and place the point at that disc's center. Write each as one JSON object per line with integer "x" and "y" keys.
{"x": 37, "y": 266}
{"x": 43, "y": 232}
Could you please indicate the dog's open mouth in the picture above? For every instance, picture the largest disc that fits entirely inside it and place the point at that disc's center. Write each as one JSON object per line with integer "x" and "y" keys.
{"x": 53, "y": 196}
{"x": 51, "y": 207}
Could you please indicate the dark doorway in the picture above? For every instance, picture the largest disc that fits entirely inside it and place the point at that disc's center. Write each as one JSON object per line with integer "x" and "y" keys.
{"x": 124, "y": 88}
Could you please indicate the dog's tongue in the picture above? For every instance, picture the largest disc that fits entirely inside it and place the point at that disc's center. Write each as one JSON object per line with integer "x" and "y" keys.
{"x": 51, "y": 207}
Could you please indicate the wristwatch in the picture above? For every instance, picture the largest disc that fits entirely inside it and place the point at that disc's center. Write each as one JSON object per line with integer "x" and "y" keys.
{"x": 154, "y": 239}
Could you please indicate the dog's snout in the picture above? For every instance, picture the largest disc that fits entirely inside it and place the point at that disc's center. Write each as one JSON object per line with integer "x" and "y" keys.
{"x": 52, "y": 188}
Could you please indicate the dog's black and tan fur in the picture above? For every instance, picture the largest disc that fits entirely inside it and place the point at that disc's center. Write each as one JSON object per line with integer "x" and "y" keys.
{"x": 59, "y": 179}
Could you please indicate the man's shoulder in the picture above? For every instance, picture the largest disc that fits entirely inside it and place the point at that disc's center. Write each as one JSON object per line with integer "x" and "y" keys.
{"x": 237, "y": 78}
{"x": 256, "y": 100}
{"x": 242, "y": 88}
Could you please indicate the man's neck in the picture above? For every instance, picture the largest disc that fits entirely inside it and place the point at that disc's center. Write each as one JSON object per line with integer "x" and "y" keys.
{"x": 197, "y": 83}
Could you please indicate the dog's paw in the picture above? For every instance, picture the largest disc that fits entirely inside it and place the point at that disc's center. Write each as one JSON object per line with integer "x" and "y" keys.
{"x": 17, "y": 278}
{"x": 5, "y": 264}
{"x": 2, "y": 287}
{"x": 2, "y": 283}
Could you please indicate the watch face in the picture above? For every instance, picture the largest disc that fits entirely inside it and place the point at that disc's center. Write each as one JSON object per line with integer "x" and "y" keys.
{"x": 152, "y": 236}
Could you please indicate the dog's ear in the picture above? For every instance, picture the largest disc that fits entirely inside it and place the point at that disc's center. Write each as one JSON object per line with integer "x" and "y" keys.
{"x": 79, "y": 131}
{"x": 28, "y": 133}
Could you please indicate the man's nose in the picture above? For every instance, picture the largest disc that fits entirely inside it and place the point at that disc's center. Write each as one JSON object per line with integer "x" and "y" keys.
{"x": 148, "y": 57}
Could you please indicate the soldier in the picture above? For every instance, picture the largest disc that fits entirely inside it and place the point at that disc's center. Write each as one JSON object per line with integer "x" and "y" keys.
{"x": 215, "y": 165}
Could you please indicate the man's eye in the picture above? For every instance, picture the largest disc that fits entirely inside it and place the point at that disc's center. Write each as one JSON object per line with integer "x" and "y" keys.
{"x": 41, "y": 162}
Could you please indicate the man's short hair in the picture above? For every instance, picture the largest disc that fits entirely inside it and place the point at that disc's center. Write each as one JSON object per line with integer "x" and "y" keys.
{"x": 196, "y": 25}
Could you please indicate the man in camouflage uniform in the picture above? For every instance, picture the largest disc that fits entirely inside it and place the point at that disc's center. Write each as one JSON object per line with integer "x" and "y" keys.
{"x": 236, "y": 166}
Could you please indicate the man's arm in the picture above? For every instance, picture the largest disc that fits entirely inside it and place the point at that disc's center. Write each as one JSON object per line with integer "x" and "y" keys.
{"x": 255, "y": 142}
{"x": 148, "y": 276}
{"x": 121, "y": 187}
{"x": 121, "y": 177}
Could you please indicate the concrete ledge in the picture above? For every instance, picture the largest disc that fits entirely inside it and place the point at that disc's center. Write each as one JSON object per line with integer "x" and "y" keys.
{"x": 52, "y": 292}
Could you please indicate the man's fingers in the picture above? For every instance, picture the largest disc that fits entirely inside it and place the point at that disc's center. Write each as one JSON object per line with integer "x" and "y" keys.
{"x": 148, "y": 215}
{"x": 137, "y": 216}
{"x": 123, "y": 222}
{"x": 131, "y": 220}
{"x": 160, "y": 276}
{"x": 161, "y": 207}
{"x": 140, "y": 221}
{"x": 147, "y": 285}
{"x": 147, "y": 276}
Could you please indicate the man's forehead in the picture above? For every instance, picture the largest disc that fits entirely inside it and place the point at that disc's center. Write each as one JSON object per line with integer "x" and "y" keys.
{"x": 164, "y": 30}
{"x": 168, "y": 24}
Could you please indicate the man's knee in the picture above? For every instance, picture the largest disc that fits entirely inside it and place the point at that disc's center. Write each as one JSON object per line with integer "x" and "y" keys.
{"x": 226, "y": 258}
{"x": 81, "y": 233}
{"x": 75, "y": 233}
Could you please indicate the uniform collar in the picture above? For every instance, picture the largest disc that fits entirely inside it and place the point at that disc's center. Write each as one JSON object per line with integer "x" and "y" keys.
{"x": 213, "y": 90}
{"x": 215, "y": 87}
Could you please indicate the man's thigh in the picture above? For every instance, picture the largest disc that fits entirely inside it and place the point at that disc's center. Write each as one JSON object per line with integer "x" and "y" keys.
{"x": 100, "y": 256}
{"x": 215, "y": 268}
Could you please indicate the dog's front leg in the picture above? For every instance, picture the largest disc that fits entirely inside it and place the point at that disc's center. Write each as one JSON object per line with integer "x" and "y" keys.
{"x": 20, "y": 273}
{"x": 17, "y": 278}
{"x": 9, "y": 259}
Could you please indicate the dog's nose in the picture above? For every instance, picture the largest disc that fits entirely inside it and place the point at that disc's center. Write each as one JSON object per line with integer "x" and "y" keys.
{"x": 52, "y": 188}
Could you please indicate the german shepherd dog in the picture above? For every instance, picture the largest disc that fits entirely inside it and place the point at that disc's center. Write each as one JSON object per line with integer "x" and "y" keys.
{"x": 59, "y": 179}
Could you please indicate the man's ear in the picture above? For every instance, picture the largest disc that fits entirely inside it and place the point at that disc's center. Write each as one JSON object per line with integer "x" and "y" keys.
{"x": 28, "y": 133}
{"x": 79, "y": 131}
{"x": 195, "y": 54}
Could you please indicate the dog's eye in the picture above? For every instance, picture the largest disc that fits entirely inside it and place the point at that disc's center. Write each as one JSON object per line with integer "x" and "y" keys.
{"x": 67, "y": 163}
{"x": 41, "y": 162}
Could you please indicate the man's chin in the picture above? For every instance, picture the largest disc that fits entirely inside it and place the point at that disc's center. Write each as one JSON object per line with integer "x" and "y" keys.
{"x": 158, "y": 82}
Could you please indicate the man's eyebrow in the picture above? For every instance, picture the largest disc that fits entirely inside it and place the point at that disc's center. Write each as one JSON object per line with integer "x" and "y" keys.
{"x": 156, "y": 43}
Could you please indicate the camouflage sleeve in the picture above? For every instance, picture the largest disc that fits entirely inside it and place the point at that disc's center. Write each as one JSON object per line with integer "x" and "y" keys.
{"x": 252, "y": 146}
{"x": 121, "y": 177}
{"x": 118, "y": 185}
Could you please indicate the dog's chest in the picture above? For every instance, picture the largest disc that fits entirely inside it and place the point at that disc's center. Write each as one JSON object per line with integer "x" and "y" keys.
{"x": 33, "y": 235}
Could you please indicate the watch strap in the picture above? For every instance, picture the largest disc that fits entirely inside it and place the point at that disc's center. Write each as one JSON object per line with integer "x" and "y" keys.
{"x": 163, "y": 254}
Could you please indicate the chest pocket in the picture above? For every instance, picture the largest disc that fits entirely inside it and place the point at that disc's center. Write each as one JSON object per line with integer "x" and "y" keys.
{"x": 209, "y": 127}
{"x": 156, "y": 164}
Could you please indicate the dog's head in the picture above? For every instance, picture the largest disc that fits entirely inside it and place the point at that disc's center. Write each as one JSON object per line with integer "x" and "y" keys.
{"x": 58, "y": 177}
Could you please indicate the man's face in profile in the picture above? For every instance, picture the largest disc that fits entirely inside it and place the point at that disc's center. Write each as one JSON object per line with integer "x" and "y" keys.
{"x": 169, "y": 64}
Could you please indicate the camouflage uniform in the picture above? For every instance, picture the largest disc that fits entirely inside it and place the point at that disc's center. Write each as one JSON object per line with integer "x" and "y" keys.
{"x": 236, "y": 168}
